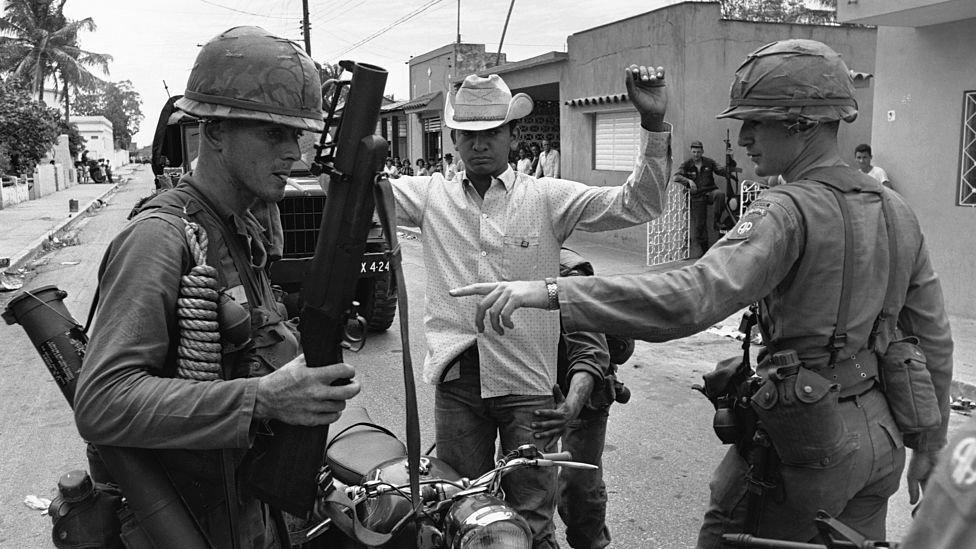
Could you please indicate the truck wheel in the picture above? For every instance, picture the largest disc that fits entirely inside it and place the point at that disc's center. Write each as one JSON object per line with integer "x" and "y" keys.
{"x": 379, "y": 315}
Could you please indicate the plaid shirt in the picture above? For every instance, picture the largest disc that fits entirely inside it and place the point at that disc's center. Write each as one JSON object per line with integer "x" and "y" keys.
{"x": 513, "y": 233}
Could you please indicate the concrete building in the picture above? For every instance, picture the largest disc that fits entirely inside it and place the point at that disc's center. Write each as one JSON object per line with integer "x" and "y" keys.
{"x": 97, "y": 131}
{"x": 581, "y": 100}
{"x": 924, "y": 133}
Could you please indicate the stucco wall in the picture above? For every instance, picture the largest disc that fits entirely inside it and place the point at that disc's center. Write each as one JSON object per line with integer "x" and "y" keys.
{"x": 700, "y": 52}
{"x": 921, "y": 76}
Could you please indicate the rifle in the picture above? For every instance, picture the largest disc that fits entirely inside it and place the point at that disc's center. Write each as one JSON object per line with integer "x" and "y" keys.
{"x": 730, "y": 214}
{"x": 834, "y": 533}
{"x": 283, "y": 469}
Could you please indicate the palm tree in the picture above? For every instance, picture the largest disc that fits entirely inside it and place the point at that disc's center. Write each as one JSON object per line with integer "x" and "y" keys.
{"x": 39, "y": 41}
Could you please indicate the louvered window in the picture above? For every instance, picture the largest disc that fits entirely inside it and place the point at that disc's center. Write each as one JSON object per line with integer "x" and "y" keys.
{"x": 432, "y": 124}
{"x": 616, "y": 141}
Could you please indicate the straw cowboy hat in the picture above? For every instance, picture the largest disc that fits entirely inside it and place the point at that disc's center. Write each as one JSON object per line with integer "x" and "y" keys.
{"x": 484, "y": 103}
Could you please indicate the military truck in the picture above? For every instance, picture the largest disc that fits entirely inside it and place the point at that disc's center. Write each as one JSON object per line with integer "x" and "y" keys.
{"x": 175, "y": 146}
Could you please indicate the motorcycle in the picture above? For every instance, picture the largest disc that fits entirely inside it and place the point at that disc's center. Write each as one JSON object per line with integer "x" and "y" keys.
{"x": 364, "y": 496}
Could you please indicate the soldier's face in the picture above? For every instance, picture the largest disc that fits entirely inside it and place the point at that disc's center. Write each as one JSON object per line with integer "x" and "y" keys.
{"x": 696, "y": 153}
{"x": 769, "y": 146}
{"x": 259, "y": 156}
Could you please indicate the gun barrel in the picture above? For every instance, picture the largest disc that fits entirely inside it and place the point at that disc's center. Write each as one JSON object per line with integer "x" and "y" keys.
{"x": 746, "y": 540}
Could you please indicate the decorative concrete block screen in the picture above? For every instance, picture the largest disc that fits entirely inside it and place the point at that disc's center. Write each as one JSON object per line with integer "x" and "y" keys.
{"x": 668, "y": 237}
{"x": 967, "y": 175}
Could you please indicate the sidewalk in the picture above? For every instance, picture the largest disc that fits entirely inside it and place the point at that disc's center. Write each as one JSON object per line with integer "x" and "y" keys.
{"x": 608, "y": 260}
{"x": 25, "y": 227}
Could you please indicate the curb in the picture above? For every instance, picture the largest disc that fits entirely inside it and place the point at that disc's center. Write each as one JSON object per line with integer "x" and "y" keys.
{"x": 17, "y": 260}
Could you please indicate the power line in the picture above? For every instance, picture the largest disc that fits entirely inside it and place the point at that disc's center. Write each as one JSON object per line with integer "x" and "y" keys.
{"x": 244, "y": 12}
{"x": 396, "y": 23}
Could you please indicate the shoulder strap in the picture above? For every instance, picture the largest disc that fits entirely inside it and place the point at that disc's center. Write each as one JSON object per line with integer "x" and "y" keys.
{"x": 839, "y": 338}
{"x": 890, "y": 299}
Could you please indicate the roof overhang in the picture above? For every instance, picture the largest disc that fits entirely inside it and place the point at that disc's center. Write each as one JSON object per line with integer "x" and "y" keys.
{"x": 905, "y": 13}
{"x": 433, "y": 101}
{"x": 598, "y": 100}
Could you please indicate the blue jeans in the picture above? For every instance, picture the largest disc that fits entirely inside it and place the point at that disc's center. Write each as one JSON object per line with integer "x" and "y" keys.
{"x": 467, "y": 426}
{"x": 582, "y": 500}
{"x": 853, "y": 488}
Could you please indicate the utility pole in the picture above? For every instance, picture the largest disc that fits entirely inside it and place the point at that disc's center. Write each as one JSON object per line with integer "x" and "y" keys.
{"x": 457, "y": 41}
{"x": 498, "y": 57}
{"x": 305, "y": 33}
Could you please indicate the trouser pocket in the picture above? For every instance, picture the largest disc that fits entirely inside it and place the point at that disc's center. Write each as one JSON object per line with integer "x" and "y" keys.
{"x": 800, "y": 413}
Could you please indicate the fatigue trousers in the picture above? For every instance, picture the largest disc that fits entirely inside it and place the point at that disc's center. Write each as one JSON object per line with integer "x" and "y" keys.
{"x": 582, "y": 498}
{"x": 467, "y": 426}
{"x": 699, "y": 216}
{"x": 853, "y": 486}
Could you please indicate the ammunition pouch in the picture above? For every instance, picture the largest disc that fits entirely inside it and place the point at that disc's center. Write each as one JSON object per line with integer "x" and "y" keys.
{"x": 908, "y": 387}
{"x": 798, "y": 408}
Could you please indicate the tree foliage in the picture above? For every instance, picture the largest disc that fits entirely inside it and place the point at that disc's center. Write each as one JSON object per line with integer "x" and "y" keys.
{"x": 28, "y": 129}
{"x": 120, "y": 103}
{"x": 37, "y": 41}
{"x": 813, "y": 12}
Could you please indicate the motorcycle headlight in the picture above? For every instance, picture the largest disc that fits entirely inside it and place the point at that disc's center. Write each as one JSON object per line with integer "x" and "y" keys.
{"x": 481, "y": 522}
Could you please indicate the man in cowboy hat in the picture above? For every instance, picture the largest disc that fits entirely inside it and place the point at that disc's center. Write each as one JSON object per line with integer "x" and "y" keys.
{"x": 493, "y": 223}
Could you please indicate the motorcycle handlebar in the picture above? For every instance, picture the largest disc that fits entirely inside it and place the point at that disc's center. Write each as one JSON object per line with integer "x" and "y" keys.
{"x": 557, "y": 456}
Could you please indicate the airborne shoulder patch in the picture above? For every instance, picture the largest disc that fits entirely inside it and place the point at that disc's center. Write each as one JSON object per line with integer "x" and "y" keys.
{"x": 750, "y": 221}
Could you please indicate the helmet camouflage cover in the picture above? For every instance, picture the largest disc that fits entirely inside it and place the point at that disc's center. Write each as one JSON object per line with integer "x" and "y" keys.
{"x": 248, "y": 73}
{"x": 793, "y": 80}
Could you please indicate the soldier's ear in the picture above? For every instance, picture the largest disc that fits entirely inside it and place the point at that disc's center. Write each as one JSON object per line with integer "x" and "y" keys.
{"x": 212, "y": 133}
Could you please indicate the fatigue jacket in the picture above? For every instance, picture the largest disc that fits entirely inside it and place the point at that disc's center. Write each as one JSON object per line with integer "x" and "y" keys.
{"x": 787, "y": 252}
{"x": 127, "y": 391}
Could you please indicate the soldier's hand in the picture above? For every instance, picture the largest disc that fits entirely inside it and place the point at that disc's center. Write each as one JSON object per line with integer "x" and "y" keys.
{"x": 502, "y": 299}
{"x": 919, "y": 468}
{"x": 646, "y": 89}
{"x": 298, "y": 395}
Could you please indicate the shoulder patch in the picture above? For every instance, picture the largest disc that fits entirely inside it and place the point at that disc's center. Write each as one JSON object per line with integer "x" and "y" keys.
{"x": 749, "y": 222}
{"x": 963, "y": 465}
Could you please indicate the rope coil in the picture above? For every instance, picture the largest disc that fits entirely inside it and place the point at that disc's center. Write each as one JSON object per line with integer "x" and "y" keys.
{"x": 199, "y": 351}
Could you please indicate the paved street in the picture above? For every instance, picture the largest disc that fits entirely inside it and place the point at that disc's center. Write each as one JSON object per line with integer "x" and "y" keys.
{"x": 660, "y": 448}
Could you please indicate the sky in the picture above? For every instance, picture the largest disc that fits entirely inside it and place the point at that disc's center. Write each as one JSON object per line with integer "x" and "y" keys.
{"x": 156, "y": 41}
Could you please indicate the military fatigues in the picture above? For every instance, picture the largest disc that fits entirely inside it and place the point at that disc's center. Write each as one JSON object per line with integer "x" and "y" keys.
{"x": 127, "y": 394}
{"x": 582, "y": 495}
{"x": 947, "y": 517}
{"x": 788, "y": 252}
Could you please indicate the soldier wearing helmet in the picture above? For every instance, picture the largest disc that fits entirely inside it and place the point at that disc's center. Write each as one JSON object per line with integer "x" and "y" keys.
{"x": 815, "y": 254}
{"x": 254, "y": 94}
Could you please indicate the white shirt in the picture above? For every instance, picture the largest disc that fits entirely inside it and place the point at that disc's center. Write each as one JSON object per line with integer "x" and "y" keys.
{"x": 548, "y": 164}
{"x": 879, "y": 174}
{"x": 513, "y": 233}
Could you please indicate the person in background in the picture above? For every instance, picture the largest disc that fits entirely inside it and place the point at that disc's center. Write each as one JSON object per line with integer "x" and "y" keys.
{"x": 697, "y": 174}
{"x": 421, "y": 168}
{"x": 524, "y": 163}
{"x": 548, "y": 161}
{"x": 863, "y": 156}
{"x": 450, "y": 167}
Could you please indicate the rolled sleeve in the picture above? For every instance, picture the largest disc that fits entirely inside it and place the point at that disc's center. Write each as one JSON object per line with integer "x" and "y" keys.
{"x": 587, "y": 352}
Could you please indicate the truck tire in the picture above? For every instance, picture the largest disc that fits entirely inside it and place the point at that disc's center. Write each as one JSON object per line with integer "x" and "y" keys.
{"x": 383, "y": 304}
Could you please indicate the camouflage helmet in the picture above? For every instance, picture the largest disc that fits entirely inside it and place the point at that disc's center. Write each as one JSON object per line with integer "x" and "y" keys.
{"x": 792, "y": 80}
{"x": 248, "y": 73}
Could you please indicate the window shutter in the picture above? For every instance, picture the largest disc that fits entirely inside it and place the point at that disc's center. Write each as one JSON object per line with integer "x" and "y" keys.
{"x": 616, "y": 141}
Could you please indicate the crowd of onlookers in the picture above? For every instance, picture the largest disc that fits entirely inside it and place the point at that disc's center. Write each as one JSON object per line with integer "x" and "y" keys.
{"x": 539, "y": 160}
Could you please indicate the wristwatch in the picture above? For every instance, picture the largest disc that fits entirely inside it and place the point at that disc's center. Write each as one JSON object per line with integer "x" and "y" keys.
{"x": 553, "y": 290}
